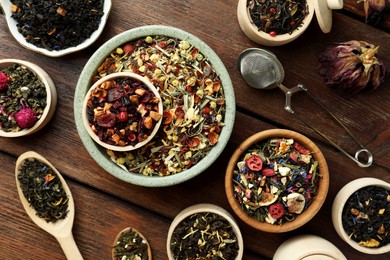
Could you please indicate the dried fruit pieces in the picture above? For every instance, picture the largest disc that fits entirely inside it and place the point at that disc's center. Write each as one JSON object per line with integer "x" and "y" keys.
{"x": 115, "y": 118}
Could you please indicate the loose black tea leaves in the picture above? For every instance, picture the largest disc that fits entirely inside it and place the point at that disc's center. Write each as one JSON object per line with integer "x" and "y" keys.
{"x": 22, "y": 98}
{"x": 204, "y": 236}
{"x": 43, "y": 189}
{"x": 277, "y": 17}
{"x": 131, "y": 246}
{"x": 366, "y": 217}
{"x": 57, "y": 25}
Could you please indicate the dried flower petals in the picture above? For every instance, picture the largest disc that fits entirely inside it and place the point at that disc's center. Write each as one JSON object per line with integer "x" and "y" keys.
{"x": 352, "y": 67}
{"x": 115, "y": 119}
{"x": 283, "y": 188}
{"x": 374, "y": 10}
{"x": 193, "y": 101}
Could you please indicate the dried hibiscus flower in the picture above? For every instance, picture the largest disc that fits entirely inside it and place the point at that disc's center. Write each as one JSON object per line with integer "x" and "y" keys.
{"x": 352, "y": 67}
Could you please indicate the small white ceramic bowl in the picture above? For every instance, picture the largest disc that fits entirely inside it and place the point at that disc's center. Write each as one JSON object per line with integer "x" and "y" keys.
{"x": 307, "y": 247}
{"x": 323, "y": 9}
{"x": 12, "y": 25}
{"x": 337, "y": 209}
{"x": 202, "y": 208}
{"x": 113, "y": 76}
{"x": 51, "y": 97}
{"x": 316, "y": 203}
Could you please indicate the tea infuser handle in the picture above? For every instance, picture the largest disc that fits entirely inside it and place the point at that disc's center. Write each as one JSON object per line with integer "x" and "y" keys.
{"x": 369, "y": 158}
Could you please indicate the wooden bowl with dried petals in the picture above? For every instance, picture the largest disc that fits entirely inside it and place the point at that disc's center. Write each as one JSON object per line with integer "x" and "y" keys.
{"x": 277, "y": 180}
{"x": 28, "y": 98}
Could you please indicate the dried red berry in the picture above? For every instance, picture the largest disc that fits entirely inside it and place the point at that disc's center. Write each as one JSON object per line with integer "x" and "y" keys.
{"x": 3, "y": 81}
{"x": 26, "y": 118}
{"x": 300, "y": 148}
{"x": 276, "y": 210}
{"x": 268, "y": 172}
{"x": 114, "y": 95}
{"x": 106, "y": 120}
{"x": 128, "y": 49}
{"x": 254, "y": 162}
{"x": 123, "y": 116}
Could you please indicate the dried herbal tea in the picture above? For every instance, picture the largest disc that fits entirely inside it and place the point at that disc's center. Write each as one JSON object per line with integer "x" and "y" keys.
{"x": 204, "y": 236}
{"x": 22, "y": 98}
{"x": 277, "y": 17}
{"x": 57, "y": 25}
{"x": 131, "y": 246}
{"x": 43, "y": 189}
{"x": 366, "y": 216}
{"x": 193, "y": 101}
{"x": 123, "y": 111}
{"x": 276, "y": 180}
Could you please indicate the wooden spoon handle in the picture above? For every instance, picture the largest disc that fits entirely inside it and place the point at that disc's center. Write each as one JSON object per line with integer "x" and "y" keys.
{"x": 69, "y": 247}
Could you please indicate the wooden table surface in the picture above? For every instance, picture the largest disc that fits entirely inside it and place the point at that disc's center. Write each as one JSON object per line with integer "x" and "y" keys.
{"x": 105, "y": 205}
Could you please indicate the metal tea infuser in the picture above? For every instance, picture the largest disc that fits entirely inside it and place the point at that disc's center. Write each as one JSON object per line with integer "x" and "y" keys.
{"x": 262, "y": 70}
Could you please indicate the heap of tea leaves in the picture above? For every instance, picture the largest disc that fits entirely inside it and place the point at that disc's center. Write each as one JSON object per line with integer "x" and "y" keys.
{"x": 204, "y": 236}
{"x": 43, "y": 189}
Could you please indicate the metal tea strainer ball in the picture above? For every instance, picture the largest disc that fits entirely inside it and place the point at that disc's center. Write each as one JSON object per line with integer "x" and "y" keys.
{"x": 261, "y": 69}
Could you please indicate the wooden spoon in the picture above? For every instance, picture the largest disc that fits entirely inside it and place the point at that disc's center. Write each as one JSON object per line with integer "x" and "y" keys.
{"x": 136, "y": 231}
{"x": 62, "y": 228}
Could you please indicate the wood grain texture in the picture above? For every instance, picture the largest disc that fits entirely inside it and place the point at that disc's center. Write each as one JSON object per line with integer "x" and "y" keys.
{"x": 106, "y": 205}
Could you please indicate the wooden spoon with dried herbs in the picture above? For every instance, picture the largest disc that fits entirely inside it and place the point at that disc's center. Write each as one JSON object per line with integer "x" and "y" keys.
{"x": 47, "y": 199}
{"x": 130, "y": 244}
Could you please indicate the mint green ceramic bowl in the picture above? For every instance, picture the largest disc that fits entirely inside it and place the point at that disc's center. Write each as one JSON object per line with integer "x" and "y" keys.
{"x": 99, "y": 154}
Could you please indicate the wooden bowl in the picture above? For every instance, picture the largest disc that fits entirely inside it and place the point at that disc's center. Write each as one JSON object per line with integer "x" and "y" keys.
{"x": 202, "y": 208}
{"x": 337, "y": 209}
{"x": 51, "y": 97}
{"x": 322, "y": 8}
{"x": 145, "y": 82}
{"x": 316, "y": 203}
{"x": 133, "y": 230}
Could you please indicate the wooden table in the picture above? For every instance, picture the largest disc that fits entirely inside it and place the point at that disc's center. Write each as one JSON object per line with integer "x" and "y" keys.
{"x": 106, "y": 205}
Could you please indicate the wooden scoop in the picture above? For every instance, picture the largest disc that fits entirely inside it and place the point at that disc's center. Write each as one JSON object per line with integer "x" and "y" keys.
{"x": 136, "y": 231}
{"x": 62, "y": 228}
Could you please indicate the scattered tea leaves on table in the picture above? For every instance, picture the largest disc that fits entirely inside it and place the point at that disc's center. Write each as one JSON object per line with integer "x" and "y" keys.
{"x": 131, "y": 246}
{"x": 204, "y": 236}
{"x": 22, "y": 98}
{"x": 276, "y": 180}
{"x": 57, "y": 25}
{"x": 43, "y": 189}
{"x": 366, "y": 216}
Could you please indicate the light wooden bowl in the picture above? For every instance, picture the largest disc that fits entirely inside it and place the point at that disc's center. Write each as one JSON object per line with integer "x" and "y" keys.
{"x": 337, "y": 209}
{"x": 308, "y": 213}
{"x": 139, "y": 233}
{"x": 322, "y": 8}
{"x": 200, "y": 208}
{"x": 51, "y": 97}
{"x": 112, "y": 76}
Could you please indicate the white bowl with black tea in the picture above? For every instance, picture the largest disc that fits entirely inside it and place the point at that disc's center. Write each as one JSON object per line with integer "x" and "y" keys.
{"x": 28, "y": 98}
{"x": 204, "y": 231}
{"x": 361, "y": 214}
{"x": 49, "y": 28}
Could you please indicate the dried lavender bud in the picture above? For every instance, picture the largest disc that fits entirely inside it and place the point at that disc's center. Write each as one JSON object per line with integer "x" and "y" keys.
{"x": 352, "y": 67}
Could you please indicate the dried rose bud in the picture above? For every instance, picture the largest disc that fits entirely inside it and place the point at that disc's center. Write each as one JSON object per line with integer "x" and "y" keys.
{"x": 374, "y": 10}
{"x": 3, "y": 81}
{"x": 25, "y": 118}
{"x": 351, "y": 67}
